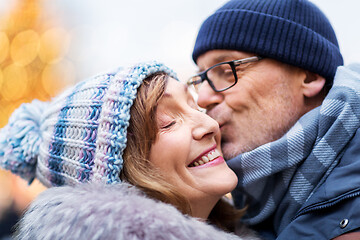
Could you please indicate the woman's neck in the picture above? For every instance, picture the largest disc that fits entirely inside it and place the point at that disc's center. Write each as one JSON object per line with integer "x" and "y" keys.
{"x": 202, "y": 209}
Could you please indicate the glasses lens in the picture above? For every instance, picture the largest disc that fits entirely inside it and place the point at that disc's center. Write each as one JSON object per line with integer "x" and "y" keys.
{"x": 196, "y": 82}
{"x": 222, "y": 76}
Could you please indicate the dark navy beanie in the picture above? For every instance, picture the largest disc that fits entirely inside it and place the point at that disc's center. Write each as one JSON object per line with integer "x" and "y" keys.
{"x": 295, "y": 32}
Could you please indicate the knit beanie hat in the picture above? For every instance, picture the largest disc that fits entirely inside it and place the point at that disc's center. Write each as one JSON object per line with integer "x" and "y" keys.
{"x": 79, "y": 136}
{"x": 295, "y": 32}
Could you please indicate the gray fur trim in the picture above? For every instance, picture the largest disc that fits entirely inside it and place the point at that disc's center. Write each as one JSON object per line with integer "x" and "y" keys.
{"x": 91, "y": 211}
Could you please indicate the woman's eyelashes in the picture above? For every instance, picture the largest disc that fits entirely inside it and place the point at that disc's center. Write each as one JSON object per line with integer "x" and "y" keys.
{"x": 168, "y": 125}
{"x": 166, "y": 121}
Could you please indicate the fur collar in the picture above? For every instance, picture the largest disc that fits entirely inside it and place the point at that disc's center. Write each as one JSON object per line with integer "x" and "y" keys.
{"x": 91, "y": 211}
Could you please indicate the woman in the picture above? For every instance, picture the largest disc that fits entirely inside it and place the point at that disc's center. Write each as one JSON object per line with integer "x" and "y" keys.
{"x": 105, "y": 131}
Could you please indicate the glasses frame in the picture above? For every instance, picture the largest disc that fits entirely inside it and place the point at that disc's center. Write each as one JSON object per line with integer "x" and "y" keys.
{"x": 233, "y": 64}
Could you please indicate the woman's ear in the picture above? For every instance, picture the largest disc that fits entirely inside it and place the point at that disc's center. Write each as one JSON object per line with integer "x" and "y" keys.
{"x": 313, "y": 84}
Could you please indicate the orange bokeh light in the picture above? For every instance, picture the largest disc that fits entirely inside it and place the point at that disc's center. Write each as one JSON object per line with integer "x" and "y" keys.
{"x": 4, "y": 46}
{"x": 24, "y": 47}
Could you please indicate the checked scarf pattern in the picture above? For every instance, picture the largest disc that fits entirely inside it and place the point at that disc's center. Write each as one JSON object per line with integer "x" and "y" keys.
{"x": 280, "y": 176}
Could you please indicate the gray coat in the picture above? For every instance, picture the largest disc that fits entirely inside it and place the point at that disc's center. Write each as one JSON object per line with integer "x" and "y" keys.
{"x": 91, "y": 211}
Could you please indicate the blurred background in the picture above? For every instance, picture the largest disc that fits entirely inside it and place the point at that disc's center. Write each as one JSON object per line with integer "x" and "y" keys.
{"x": 47, "y": 45}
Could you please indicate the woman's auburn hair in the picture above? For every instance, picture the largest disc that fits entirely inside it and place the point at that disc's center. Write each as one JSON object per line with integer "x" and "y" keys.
{"x": 140, "y": 172}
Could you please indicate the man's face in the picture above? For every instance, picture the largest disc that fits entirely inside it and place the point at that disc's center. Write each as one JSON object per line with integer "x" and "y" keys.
{"x": 261, "y": 107}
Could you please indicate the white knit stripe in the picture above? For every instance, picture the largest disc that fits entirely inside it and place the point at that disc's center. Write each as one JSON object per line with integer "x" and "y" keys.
{"x": 100, "y": 168}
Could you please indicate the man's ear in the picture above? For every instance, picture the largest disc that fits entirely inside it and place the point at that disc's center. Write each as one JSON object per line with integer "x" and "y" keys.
{"x": 313, "y": 84}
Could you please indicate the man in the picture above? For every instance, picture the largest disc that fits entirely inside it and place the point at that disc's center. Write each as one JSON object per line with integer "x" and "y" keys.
{"x": 266, "y": 70}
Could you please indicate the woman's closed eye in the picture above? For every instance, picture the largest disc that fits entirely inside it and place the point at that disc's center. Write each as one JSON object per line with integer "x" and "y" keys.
{"x": 168, "y": 125}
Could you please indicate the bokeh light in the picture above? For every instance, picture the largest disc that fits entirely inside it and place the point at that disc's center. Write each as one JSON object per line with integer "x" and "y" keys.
{"x": 15, "y": 83}
{"x": 4, "y": 46}
{"x": 54, "y": 45}
{"x": 33, "y": 56}
{"x": 25, "y": 47}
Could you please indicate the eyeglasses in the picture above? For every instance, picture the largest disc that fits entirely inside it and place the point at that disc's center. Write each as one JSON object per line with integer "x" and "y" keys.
{"x": 222, "y": 76}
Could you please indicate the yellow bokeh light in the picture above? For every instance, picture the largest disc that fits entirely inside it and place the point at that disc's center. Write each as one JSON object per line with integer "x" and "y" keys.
{"x": 15, "y": 82}
{"x": 1, "y": 78}
{"x": 56, "y": 77}
{"x": 4, "y": 115}
{"x": 25, "y": 47}
{"x": 4, "y": 46}
{"x": 54, "y": 44}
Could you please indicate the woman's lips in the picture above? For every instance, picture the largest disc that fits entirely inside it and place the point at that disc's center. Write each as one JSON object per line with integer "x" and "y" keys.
{"x": 206, "y": 158}
{"x": 214, "y": 162}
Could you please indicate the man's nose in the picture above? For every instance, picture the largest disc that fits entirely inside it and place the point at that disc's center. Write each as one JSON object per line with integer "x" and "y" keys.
{"x": 207, "y": 97}
{"x": 204, "y": 126}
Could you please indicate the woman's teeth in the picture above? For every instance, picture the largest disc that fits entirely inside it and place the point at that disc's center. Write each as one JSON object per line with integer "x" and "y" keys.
{"x": 206, "y": 158}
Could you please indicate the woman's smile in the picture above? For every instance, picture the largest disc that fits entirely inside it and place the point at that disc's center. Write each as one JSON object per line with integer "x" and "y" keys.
{"x": 206, "y": 158}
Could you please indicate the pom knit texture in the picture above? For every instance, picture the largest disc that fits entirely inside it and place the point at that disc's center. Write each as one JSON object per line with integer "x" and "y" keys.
{"x": 81, "y": 135}
{"x": 291, "y": 31}
{"x": 20, "y": 140}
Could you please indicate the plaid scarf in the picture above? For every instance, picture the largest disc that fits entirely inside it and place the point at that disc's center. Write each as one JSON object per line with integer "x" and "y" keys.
{"x": 280, "y": 176}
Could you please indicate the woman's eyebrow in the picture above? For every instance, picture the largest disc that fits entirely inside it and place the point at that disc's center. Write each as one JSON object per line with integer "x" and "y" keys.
{"x": 167, "y": 95}
{"x": 185, "y": 89}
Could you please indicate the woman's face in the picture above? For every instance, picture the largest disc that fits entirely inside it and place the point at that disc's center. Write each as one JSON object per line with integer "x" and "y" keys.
{"x": 187, "y": 150}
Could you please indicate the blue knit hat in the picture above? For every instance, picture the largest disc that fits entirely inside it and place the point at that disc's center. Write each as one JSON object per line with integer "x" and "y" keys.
{"x": 79, "y": 136}
{"x": 295, "y": 32}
